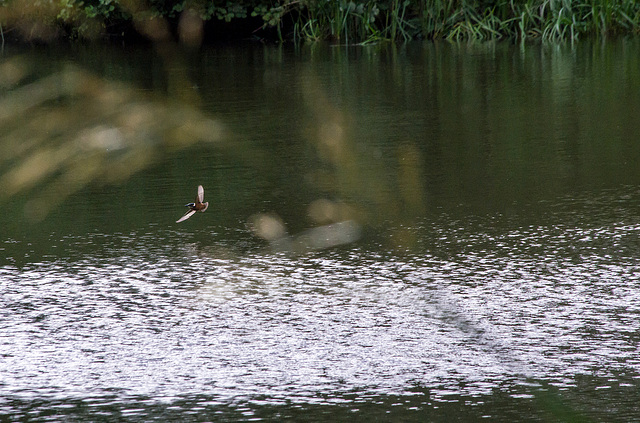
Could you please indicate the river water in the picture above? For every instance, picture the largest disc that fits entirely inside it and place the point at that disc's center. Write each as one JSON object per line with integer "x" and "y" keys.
{"x": 429, "y": 232}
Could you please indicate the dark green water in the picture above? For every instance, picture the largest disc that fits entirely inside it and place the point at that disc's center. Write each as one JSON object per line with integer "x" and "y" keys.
{"x": 432, "y": 232}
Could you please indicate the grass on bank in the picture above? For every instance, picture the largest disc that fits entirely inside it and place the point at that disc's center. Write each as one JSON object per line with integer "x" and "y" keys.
{"x": 344, "y": 21}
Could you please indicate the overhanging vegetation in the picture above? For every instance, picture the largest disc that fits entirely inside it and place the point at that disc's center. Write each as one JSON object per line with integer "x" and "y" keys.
{"x": 342, "y": 21}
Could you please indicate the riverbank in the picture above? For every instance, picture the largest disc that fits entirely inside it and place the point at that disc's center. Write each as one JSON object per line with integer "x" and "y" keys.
{"x": 342, "y": 21}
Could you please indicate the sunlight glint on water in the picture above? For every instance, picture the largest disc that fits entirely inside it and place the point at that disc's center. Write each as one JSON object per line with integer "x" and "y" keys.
{"x": 150, "y": 324}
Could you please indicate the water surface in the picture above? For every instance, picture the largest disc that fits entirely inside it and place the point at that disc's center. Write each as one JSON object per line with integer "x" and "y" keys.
{"x": 429, "y": 232}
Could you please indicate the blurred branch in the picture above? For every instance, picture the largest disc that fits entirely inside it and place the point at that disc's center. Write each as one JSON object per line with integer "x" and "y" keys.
{"x": 97, "y": 130}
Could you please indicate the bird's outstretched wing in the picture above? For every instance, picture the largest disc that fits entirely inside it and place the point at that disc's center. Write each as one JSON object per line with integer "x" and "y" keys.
{"x": 186, "y": 216}
{"x": 200, "y": 194}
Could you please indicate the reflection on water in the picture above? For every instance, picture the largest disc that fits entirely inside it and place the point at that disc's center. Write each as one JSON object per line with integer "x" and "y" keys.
{"x": 460, "y": 241}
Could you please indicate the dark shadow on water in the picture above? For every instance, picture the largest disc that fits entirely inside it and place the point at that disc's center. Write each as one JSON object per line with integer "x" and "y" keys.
{"x": 525, "y": 405}
{"x": 590, "y": 401}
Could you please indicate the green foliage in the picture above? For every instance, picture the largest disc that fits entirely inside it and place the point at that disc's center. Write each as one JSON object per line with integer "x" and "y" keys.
{"x": 226, "y": 12}
{"x": 366, "y": 21}
{"x": 102, "y": 8}
{"x": 372, "y": 20}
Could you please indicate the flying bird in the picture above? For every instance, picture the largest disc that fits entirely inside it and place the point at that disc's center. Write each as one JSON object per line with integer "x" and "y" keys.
{"x": 199, "y": 205}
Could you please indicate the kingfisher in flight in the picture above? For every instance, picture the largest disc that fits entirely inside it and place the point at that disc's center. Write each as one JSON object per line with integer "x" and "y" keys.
{"x": 199, "y": 205}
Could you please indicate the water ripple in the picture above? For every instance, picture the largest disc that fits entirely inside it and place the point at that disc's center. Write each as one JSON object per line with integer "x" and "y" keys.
{"x": 532, "y": 304}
